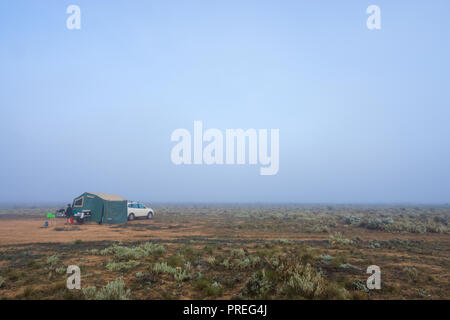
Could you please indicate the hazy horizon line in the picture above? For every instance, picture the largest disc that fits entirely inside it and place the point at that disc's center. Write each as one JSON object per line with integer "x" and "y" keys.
{"x": 37, "y": 204}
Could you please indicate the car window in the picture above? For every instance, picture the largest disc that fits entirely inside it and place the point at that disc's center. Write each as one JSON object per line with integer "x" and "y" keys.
{"x": 141, "y": 206}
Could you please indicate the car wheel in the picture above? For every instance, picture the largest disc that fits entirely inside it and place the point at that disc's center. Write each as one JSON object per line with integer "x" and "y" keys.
{"x": 150, "y": 215}
{"x": 131, "y": 217}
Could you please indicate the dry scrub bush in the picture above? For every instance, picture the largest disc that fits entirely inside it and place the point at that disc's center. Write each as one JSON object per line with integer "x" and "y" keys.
{"x": 258, "y": 286}
{"x": 139, "y": 252}
{"x": 53, "y": 260}
{"x": 411, "y": 273}
{"x": 306, "y": 282}
{"x": 208, "y": 287}
{"x": 338, "y": 239}
{"x": 413, "y": 224}
{"x": 61, "y": 270}
{"x": 115, "y": 290}
{"x": 178, "y": 273}
{"x": 288, "y": 276}
{"x": 122, "y": 266}
{"x": 163, "y": 267}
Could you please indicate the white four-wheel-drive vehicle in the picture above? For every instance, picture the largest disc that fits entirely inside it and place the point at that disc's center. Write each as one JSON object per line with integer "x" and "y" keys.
{"x": 138, "y": 210}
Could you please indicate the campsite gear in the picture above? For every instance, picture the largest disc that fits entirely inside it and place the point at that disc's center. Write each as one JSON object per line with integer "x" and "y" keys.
{"x": 46, "y": 224}
{"x": 52, "y": 217}
{"x": 71, "y": 220}
{"x": 60, "y": 213}
{"x": 105, "y": 208}
{"x": 82, "y": 216}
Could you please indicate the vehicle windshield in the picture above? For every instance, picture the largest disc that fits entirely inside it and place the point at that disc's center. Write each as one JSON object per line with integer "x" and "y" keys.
{"x": 136, "y": 205}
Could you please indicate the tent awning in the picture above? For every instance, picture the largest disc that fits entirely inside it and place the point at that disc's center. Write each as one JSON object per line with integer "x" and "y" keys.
{"x": 108, "y": 196}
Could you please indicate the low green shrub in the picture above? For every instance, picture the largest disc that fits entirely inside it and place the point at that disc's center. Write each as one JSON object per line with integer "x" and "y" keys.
{"x": 338, "y": 239}
{"x": 247, "y": 262}
{"x": 208, "y": 287}
{"x": 53, "y": 260}
{"x": 258, "y": 286}
{"x": 177, "y": 260}
{"x": 326, "y": 258}
{"x": 359, "y": 285}
{"x": 93, "y": 252}
{"x": 283, "y": 241}
{"x": 182, "y": 275}
{"x": 237, "y": 253}
{"x": 138, "y": 252}
{"x": 61, "y": 270}
{"x": 334, "y": 292}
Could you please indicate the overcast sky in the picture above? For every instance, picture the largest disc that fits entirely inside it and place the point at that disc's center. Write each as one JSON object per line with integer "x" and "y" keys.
{"x": 363, "y": 114}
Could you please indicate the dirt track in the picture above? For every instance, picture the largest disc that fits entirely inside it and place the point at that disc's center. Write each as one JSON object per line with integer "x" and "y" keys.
{"x": 23, "y": 231}
{"x": 28, "y": 231}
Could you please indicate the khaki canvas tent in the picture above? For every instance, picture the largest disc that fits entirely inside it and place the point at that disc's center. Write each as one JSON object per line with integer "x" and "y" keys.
{"x": 105, "y": 208}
